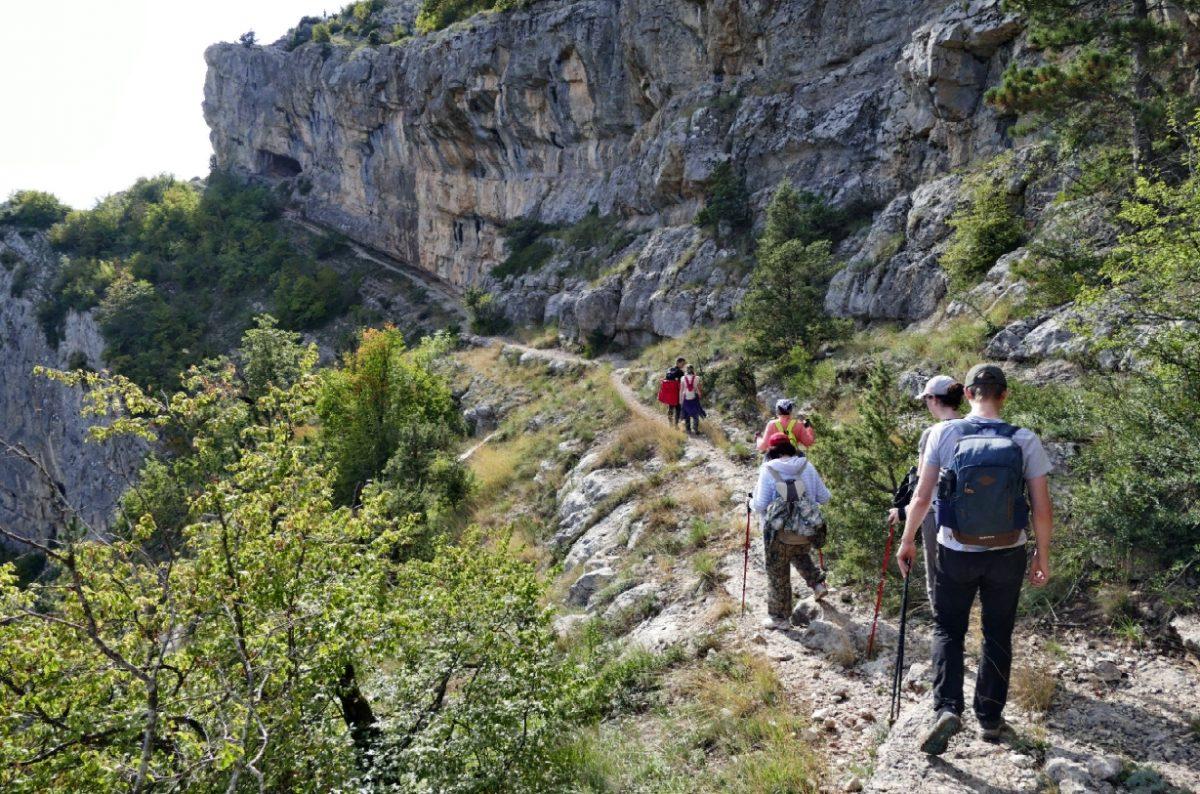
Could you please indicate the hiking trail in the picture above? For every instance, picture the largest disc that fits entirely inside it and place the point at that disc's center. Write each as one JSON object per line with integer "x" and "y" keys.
{"x": 1110, "y": 703}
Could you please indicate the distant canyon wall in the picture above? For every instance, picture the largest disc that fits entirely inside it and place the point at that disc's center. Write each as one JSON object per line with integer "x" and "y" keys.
{"x": 426, "y": 148}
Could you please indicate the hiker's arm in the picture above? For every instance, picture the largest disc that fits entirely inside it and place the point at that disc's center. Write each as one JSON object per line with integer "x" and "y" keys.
{"x": 917, "y": 510}
{"x": 762, "y": 440}
{"x": 1043, "y": 527}
{"x": 762, "y": 498}
{"x": 804, "y": 434}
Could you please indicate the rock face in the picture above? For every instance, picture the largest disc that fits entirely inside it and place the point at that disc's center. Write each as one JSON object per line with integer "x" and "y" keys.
{"x": 43, "y": 416}
{"x": 426, "y": 148}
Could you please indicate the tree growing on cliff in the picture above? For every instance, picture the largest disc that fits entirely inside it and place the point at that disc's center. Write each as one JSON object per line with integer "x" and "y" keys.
{"x": 783, "y": 313}
{"x": 727, "y": 210}
{"x": 1112, "y": 70}
{"x": 32, "y": 209}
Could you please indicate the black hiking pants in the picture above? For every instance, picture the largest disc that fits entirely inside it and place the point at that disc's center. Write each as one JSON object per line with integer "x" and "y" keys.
{"x": 996, "y": 576}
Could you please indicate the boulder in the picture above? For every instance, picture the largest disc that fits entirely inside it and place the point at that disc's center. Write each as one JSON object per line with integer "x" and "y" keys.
{"x": 586, "y": 586}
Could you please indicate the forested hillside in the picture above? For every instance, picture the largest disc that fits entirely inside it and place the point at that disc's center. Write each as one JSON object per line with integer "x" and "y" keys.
{"x": 317, "y": 529}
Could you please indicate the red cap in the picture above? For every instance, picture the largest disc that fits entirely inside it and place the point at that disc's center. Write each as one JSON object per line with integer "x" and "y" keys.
{"x": 775, "y": 439}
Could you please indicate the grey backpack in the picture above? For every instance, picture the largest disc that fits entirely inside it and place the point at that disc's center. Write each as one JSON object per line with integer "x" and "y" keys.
{"x": 794, "y": 518}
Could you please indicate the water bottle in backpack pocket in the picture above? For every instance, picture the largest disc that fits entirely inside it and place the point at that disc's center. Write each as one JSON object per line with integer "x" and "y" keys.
{"x": 981, "y": 494}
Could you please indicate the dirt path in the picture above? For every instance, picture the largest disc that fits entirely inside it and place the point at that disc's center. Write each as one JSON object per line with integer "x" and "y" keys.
{"x": 445, "y": 295}
{"x": 1112, "y": 705}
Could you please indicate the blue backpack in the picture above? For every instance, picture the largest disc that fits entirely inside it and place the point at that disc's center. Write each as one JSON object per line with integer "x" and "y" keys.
{"x": 981, "y": 495}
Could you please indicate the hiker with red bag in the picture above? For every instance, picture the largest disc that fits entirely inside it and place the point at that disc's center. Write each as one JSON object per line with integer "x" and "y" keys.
{"x": 669, "y": 391}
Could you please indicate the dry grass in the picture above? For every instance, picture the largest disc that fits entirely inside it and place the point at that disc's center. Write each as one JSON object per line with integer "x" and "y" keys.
{"x": 482, "y": 359}
{"x": 698, "y": 498}
{"x": 641, "y": 439}
{"x": 708, "y": 572}
{"x": 494, "y": 467}
{"x": 1033, "y": 688}
{"x": 1113, "y": 601}
{"x": 715, "y": 435}
{"x": 723, "y": 608}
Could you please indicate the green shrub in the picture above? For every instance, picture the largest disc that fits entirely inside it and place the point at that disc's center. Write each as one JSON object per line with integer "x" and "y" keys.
{"x": 985, "y": 229}
{"x": 803, "y": 216}
{"x": 865, "y": 460}
{"x": 32, "y": 209}
{"x": 8, "y": 258}
{"x": 486, "y": 317}
{"x": 79, "y": 286}
{"x": 321, "y": 33}
{"x": 727, "y": 211}
{"x": 307, "y": 299}
{"x": 327, "y": 245}
{"x": 206, "y": 252}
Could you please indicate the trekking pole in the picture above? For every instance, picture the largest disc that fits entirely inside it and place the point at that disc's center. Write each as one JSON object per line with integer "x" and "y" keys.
{"x": 887, "y": 553}
{"x": 898, "y": 674}
{"x": 746, "y": 553}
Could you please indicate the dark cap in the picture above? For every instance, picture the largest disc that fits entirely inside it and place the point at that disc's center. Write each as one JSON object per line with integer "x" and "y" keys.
{"x": 986, "y": 374}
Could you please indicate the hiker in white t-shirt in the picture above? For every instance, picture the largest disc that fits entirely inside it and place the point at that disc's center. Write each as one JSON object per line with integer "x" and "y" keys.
{"x": 942, "y": 396}
{"x": 991, "y": 483}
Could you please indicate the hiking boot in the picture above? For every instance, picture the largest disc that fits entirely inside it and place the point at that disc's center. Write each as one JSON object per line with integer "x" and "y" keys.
{"x": 994, "y": 733}
{"x": 820, "y": 591}
{"x": 947, "y": 724}
{"x": 776, "y": 624}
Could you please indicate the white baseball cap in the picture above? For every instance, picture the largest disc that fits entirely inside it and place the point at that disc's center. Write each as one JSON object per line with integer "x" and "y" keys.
{"x": 937, "y": 386}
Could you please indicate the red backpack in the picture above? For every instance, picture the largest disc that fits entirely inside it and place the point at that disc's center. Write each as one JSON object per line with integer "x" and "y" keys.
{"x": 668, "y": 392}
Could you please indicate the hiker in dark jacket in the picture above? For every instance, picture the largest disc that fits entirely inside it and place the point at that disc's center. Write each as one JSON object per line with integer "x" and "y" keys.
{"x": 972, "y": 463}
{"x": 942, "y": 395}
{"x": 784, "y": 461}
{"x": 676, "y": 373}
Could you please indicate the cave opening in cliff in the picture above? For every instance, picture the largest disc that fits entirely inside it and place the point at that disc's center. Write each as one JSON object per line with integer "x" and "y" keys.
{"x": 278, "y": 166}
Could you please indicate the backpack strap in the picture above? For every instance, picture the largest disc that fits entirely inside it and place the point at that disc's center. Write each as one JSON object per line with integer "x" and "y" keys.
{"x": 971, "y": 426}
{"x": 790, "y": 493}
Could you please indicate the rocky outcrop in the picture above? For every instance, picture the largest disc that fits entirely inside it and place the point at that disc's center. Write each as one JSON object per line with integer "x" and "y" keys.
{"x": 43, "y": 416}
{"x": 426, "y": 148}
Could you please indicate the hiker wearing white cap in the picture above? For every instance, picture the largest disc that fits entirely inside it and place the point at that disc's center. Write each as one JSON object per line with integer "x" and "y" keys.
{"x": 991, "y": 485}
{"x": 942, "y": 396}
{"x": 798, "y": 431}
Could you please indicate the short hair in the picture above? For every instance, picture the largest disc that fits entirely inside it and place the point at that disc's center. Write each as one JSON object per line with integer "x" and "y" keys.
{"x": 953, "y": 397}
{"x": 680, "y": 360}
{"x": 987, "y": 391}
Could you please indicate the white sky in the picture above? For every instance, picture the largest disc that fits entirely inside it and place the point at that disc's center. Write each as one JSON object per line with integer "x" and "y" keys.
{"x": 95, "y": 93}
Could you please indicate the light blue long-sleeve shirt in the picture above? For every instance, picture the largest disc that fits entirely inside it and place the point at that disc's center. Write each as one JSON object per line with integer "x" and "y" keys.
{"x": 792, "y": 468}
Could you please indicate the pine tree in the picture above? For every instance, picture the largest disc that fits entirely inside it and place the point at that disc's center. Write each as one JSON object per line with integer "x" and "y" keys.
{"x": 783, "y": 313}
{"x": 1109, "y": 70}
{"x": 863, "y": 463}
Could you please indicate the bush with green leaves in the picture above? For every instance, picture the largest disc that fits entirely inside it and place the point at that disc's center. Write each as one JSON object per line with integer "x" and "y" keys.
{"x": 206, "y": 252}
{"x": 78, "y": 286}
{"x": 273, "y": 637}
{"x": 486, "y": 317}
{"x": 1140, "y": 493}
{"x": 985, "y": 228}
{"x": 863, "y": 462}
{"x": 387, "y": 417}
{"x": 32, "y": 209}
{"x": 727, "y": 211}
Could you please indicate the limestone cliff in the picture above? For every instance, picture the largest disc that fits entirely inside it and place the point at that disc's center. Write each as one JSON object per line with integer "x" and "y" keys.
{"x": 425, "y": 148}
{"x": 43, "y": 416}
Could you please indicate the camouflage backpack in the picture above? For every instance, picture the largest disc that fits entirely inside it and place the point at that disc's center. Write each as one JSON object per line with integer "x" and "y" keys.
{"x": 794, "y": 518}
